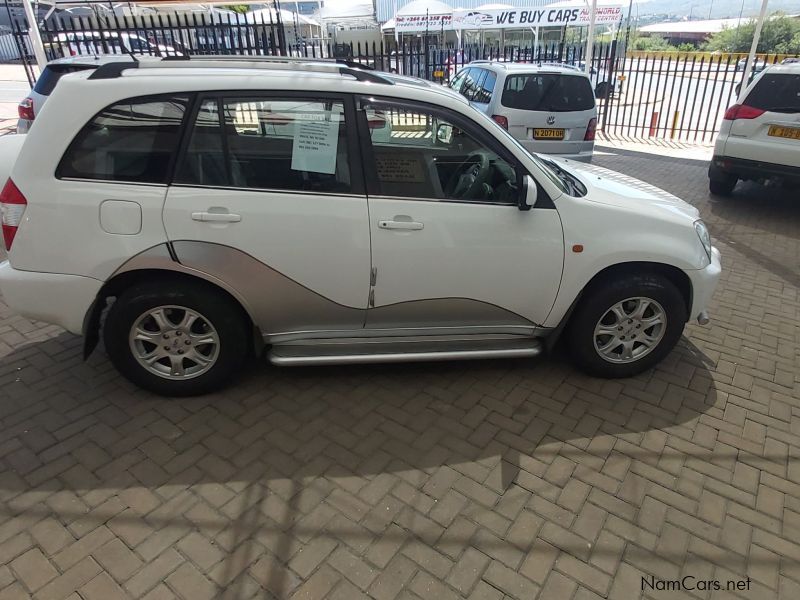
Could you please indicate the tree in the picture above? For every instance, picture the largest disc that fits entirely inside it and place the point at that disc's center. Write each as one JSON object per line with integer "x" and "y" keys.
{"x": 239, "y": 8}
{"x": 779, "y": 35}
{"x": 651, "y": 44}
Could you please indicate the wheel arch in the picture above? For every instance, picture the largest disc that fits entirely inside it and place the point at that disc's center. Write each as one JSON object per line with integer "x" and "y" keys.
{"x": 124, "y": 280}
{"x": 670, "y": 272}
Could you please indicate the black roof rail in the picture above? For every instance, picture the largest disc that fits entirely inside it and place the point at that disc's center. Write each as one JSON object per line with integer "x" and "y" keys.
{"x": 357, "y": 70}
{"x": 113, "y": 70}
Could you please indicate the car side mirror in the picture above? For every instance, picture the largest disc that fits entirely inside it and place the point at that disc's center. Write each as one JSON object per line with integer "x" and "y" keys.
{"x": 445, "y": 133}
{"x": 529, "y": 193}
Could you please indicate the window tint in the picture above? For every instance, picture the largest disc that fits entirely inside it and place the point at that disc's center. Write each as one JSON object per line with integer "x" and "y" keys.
{"x": 419, "y": 153}
{"x": 52, "y": 73}
{"x": 551, "y": 92}
{"x": 458, "y": 81}
{"x": 297, "y": 144}
{"x": 776, "y": 93}
{"x": 470, "y": 86}
{"x": 484, "y": 93}
{"x": 132, "y": 140}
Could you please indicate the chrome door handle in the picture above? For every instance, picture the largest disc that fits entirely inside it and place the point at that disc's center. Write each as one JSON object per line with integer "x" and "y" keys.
{"x": 216, "y": 217}
{"x": 407, "y": 225}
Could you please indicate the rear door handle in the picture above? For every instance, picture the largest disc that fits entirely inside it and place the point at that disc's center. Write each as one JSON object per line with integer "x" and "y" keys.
{"x": 216, "y": 217}
{"x": 407, "y": 225}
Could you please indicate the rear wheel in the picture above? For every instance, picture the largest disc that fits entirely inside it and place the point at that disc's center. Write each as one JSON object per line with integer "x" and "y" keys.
{"x": 723, "y": 186}
{"x": 180, "y": 341}
{"x": 625, "y": 326}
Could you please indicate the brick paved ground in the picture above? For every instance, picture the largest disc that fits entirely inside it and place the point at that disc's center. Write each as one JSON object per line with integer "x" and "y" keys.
{"x": 427, "y": 481}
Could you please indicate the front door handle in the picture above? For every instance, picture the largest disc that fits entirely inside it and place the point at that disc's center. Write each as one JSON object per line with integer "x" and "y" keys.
{"x": 406, "y": 225}
{"x": 216, "y": 215}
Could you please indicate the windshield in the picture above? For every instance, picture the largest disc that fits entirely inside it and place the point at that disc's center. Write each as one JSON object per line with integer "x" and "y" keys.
{"x": 551, "y": 92}
{"x": 548, "y": 171}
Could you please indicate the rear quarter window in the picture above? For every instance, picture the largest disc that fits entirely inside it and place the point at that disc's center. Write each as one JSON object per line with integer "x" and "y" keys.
{"x": 548, "y": 92}
{"x": 778, "y": 92}
{"x": 133, "y": 141}
{"x": 52, "y": 73}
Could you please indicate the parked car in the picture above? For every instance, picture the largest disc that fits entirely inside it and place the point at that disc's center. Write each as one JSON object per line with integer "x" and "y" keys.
{"x": 205, "y": 207}
{"x": 30, "y": 106}
{"x": 759, "y": 139}
{"x": 89, "y": 43}
{"x": 759, "y": 64}
{"x": 548, "y": 108}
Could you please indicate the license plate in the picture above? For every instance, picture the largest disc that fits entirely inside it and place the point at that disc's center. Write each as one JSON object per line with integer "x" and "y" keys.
{"x": 793, "y": 133}
{"x": 548, "y": 134}
{"x": 438, "y": 74}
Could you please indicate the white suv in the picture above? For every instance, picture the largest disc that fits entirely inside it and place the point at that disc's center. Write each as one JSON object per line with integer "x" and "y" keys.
{"x": 760, "y": 138}
{"x": 205, "y": 207}
{"x": 548, "y": 108}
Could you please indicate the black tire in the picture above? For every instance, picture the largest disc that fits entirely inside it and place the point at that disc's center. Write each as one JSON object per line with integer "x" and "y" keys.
{"x": 722, "y": 186}
{"x": 225, "y": 316}
{"x": 594, "y": 306}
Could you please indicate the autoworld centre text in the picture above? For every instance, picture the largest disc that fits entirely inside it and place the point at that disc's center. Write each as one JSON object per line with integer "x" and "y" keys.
{"x": 512, "y": 18}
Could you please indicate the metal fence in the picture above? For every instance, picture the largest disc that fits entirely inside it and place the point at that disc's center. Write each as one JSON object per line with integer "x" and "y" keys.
{"x": 680, "y": 96}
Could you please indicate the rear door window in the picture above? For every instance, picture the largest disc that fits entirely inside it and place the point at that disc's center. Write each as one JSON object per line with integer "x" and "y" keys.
{"x": 133, "y": 141}
{"x": 297, "y": 144}
{"x": 484, "y": 92}
{"x": 779, "y": 92}
{"x": 548, "y": 92}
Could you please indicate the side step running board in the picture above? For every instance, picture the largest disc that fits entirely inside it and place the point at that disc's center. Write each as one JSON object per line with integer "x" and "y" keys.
{"x": 291, "y": 355}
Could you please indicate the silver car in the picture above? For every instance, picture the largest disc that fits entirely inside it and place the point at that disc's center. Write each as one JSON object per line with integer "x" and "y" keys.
{"x": 549, "y": 109}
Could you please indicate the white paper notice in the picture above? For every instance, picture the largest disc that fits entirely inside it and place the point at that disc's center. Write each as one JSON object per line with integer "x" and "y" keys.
{"x": 314, "y": 147}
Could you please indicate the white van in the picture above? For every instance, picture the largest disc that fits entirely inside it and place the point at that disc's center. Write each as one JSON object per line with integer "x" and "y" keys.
{"x": 547, "y": 108}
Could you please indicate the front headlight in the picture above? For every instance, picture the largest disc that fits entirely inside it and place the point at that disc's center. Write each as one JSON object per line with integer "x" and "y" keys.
{"x": 705, "y": 237}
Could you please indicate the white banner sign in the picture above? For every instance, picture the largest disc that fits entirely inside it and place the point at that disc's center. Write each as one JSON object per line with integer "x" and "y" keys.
{"x": 511, "y": 18}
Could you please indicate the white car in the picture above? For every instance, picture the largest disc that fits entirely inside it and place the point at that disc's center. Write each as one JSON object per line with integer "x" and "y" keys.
{"x": 548, "y": 108}
{"x": 760, "y": 138}
{"x": 203, "y": 222}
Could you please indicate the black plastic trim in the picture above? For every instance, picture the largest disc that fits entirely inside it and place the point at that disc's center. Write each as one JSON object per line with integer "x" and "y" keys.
{"x": 113, "y": 70}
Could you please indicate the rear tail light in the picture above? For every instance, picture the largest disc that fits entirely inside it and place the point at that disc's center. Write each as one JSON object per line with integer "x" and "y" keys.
{"x": 377, "y": 120}
{"x": 591, "y": 129}
{"x": 501, "y": 120}
{"x": 742, "y": 111}
{"x": 25, "y": 109}
{"x": 12, "y": 207}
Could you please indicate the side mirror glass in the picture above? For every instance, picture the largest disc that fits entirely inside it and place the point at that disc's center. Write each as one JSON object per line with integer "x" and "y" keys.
{"x": 444, "y": 133}
{"x": 529, "y": 193}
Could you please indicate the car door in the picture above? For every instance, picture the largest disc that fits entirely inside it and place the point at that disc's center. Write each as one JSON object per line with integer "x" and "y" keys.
{"x": 450, "y": 248}
{"x": 268, "y": 197}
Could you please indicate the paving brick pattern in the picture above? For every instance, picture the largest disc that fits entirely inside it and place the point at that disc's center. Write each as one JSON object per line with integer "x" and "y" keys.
{"x": 483, "y": 480}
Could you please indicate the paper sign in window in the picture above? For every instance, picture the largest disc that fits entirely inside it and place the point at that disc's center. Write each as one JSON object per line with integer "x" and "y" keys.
{"x": 398, "y": 169}
{"x": 315, "y": 145}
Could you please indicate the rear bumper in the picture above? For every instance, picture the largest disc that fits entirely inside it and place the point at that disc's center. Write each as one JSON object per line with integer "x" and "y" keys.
{"x": 55, "y": 298}
{"x": 750, "y": 169}
{"x": 704, "y": 282}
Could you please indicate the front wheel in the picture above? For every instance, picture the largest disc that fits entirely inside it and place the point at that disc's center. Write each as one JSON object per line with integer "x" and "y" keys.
{"x": 625, "y": 326}
{"x": 180, "y": 339}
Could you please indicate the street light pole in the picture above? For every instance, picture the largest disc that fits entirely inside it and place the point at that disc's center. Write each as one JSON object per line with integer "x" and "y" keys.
{"x": 33, "y": 32}
{"x": 590, "y": 39}
{"x": 753, "y": 47}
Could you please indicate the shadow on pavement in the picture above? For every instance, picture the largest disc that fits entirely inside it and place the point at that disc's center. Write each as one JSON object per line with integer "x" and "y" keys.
{"x": 285, "y": 457}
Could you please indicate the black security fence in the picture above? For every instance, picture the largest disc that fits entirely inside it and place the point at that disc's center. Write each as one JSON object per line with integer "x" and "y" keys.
{"x": 160, "y": 35}
{"x": 668, "y": 95}
{"x": 675, "y": 95}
